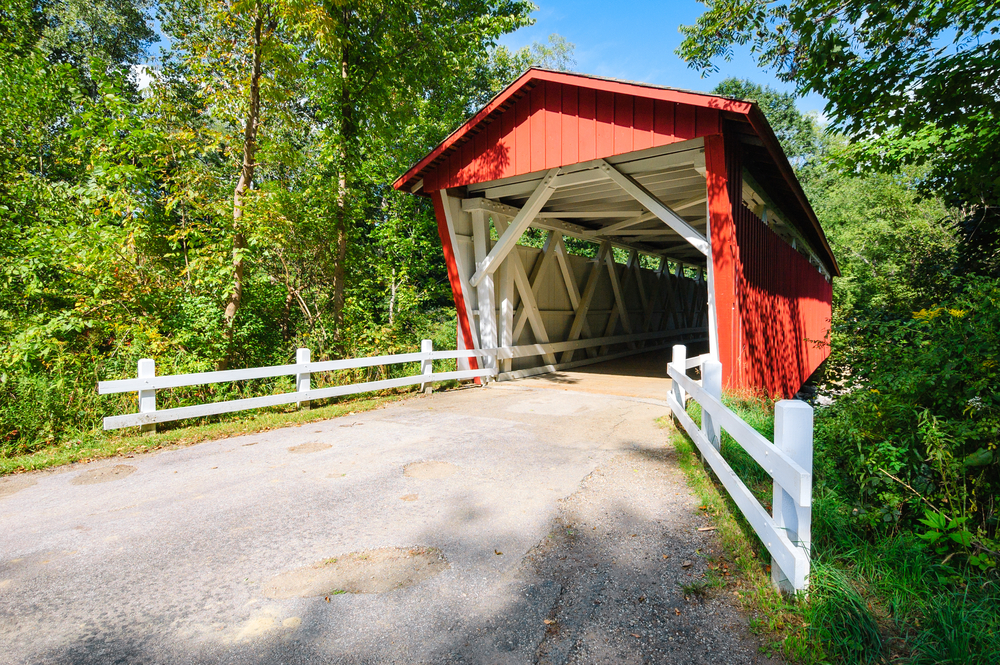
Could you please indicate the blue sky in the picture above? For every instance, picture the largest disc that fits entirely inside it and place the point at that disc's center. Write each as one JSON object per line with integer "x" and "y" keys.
{"x": 635, "y": 40}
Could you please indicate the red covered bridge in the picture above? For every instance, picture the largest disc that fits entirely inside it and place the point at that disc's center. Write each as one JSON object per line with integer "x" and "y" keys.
{"x": 701, "y": 233}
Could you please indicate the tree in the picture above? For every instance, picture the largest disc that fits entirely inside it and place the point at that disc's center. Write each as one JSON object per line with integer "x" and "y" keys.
{"x": 799, "y": 134}
{"x": 912, "y": 82}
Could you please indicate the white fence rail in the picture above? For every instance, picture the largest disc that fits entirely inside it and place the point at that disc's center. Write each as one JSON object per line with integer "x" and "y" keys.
{"x": 785, "y": 533}
{"x": 148, "y": 383}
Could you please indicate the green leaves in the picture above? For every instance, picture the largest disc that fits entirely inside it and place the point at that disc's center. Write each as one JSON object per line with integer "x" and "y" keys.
{"x": 912, "y": 83}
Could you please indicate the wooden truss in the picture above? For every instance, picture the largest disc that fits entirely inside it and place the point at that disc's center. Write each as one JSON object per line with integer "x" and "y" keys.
{"x": 670, "y": 304}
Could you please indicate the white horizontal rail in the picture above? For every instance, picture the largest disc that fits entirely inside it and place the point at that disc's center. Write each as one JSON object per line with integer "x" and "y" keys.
{"x": 697, "y": 361}
{"x": 791, "y": 558}
{"x": 528, "y": 350}
{"x": 214, "y": 408}
{"x": 202, "y": 378}
{"x": 148, "y": 383}
{"x": 793, "y": 478}
{"x": 787, "y": 531}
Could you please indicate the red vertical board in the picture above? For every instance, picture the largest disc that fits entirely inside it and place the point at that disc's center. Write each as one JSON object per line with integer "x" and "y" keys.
{"x": 604, "y": 117}
{"x": 537, "y": 128}
{"x": 642, "y": 124}
{"x": 507, "y": 144}
{"x": 588, "y": 125}
{"x": 553, "y": 125}
{"x": 468, "y": 157}
{"x": 663, "y": 122}
{"x": 522, "y": 135}
{"x": 684, "y": 122}
{"x": 480, "y": 161}
{"x": 570, "y": 125}
{"x": 494, "y": 167}
{"x": 725, "y": 257}
{"x": 706, "y": 121}
{"x": 623, "y": 124}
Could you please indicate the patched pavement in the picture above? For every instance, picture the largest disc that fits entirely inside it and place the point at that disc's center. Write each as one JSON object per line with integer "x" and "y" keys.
{"x": 501, "y": 525}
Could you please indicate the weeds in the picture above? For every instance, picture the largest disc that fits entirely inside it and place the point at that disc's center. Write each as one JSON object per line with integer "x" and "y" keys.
{"x": 874, "y": 597}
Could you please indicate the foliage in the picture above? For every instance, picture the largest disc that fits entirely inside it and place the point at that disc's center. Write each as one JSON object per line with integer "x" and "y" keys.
{"x": 118, "y": 235}
{"x": 913, "y": 83}
{"x": 874, "y": 596}
{"x": 800, "y": 135}
{"x": 920, "y": 421}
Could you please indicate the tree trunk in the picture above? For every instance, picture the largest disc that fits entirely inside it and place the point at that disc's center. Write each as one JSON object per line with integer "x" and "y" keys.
{"x": 347, "y": 132}
{"x": 244, "y": 184}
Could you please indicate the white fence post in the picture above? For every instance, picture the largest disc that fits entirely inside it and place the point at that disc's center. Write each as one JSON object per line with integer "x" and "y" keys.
{"x": 303, "y": 381}
{"x": 679, "y": 362}
{"x": 711, "y": 381}
{"x": 793, "y": 435}
{"x": 427, "y": 365}
{"x": 147, "y": 398}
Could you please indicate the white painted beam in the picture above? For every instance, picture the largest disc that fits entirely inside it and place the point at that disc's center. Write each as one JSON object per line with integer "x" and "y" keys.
{"x": 595, "y": 215}
{"x": 513, "y": 262}
{"x": 508, "y": 240}
{"x": 655, "y": 206}
{"x": 580, "y": 317}
{"x": 485, "y": 293}
{"x": 463, "y": 272}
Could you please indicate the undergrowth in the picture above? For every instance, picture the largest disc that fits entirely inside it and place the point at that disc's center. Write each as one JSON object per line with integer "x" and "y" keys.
{"x": 874, "y": 596}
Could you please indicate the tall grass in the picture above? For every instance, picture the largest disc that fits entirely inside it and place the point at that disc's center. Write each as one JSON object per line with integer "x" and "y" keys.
{"x": 874, "y": 597}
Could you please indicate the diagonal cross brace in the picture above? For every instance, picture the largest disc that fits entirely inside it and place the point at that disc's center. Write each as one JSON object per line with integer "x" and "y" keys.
{"x": 657, "y": 207}
{"x": 517, "y": 226}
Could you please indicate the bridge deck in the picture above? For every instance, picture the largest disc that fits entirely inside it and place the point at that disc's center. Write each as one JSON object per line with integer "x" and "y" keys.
{"x": 641, "y": 375}
{"x": 321, "y": 543}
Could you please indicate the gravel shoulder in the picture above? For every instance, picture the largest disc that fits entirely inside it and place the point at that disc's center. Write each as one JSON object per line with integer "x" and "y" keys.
{"x": 499, "y": 525}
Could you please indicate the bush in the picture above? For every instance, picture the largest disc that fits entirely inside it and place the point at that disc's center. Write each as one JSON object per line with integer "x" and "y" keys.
{"x": 918, "y": 420}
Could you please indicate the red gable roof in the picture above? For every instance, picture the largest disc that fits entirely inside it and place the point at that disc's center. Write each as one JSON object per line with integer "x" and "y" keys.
{"x": 547, "y": 119}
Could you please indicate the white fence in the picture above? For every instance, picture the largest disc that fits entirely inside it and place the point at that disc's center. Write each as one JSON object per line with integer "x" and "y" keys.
{"x": 147, "y": 383}
{"x": 786, "y": 533}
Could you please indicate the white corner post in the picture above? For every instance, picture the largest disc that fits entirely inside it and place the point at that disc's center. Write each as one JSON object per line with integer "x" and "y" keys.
{"x": 303, "y": 380}
{"x": 711, "y": 381}
{"x": 793, "y": 435}
{"x": 484, "y": 291}
{"x": 713, "y": 328}
{"x": 426, "y": 365}
{"x": 679, "y": 362}
{"x": 147, "y": 398}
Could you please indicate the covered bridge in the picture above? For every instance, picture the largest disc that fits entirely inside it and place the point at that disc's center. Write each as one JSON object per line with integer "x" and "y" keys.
{"x": 701, "y": 233}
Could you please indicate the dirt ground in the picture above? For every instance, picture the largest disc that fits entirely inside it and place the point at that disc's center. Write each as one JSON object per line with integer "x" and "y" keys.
{"x": 509, "y": 524}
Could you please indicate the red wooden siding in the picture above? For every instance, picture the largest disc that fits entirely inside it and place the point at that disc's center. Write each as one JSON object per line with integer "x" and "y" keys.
{"x": 556, "y": 124}
{"x": 725, "y": 255}
{"x": 773, "y": 307}
{"x": 785, "y": 309}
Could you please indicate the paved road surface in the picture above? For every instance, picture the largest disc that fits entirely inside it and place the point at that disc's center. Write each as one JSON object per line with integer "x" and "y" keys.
{"x": 552, "y": 527}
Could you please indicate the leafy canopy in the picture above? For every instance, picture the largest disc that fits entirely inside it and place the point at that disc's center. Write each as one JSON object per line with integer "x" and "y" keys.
{"x": 912, "y": 81}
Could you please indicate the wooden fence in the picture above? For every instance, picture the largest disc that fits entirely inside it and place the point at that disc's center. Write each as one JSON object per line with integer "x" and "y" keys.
{"x": 786, "y": 532}
{"x": 147, "y": 382}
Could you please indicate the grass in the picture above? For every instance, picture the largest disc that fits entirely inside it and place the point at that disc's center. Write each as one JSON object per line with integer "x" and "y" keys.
{"x": 873, "y": 597}
{"x": 99, "y": 445}
{"x": 770, "y": 613}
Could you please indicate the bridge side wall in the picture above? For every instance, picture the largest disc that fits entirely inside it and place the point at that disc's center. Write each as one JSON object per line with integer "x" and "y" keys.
{"x": 773, "y": 306}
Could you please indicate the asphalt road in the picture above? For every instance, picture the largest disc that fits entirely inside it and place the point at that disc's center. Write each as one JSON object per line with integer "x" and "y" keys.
{"x": 550, "y": 527}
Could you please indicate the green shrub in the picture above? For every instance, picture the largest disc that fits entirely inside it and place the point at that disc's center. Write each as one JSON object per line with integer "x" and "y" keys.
{"x": 919, "y": 423}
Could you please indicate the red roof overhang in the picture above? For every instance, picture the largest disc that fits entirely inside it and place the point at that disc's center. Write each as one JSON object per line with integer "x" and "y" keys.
{"x": 749, "y": 110}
